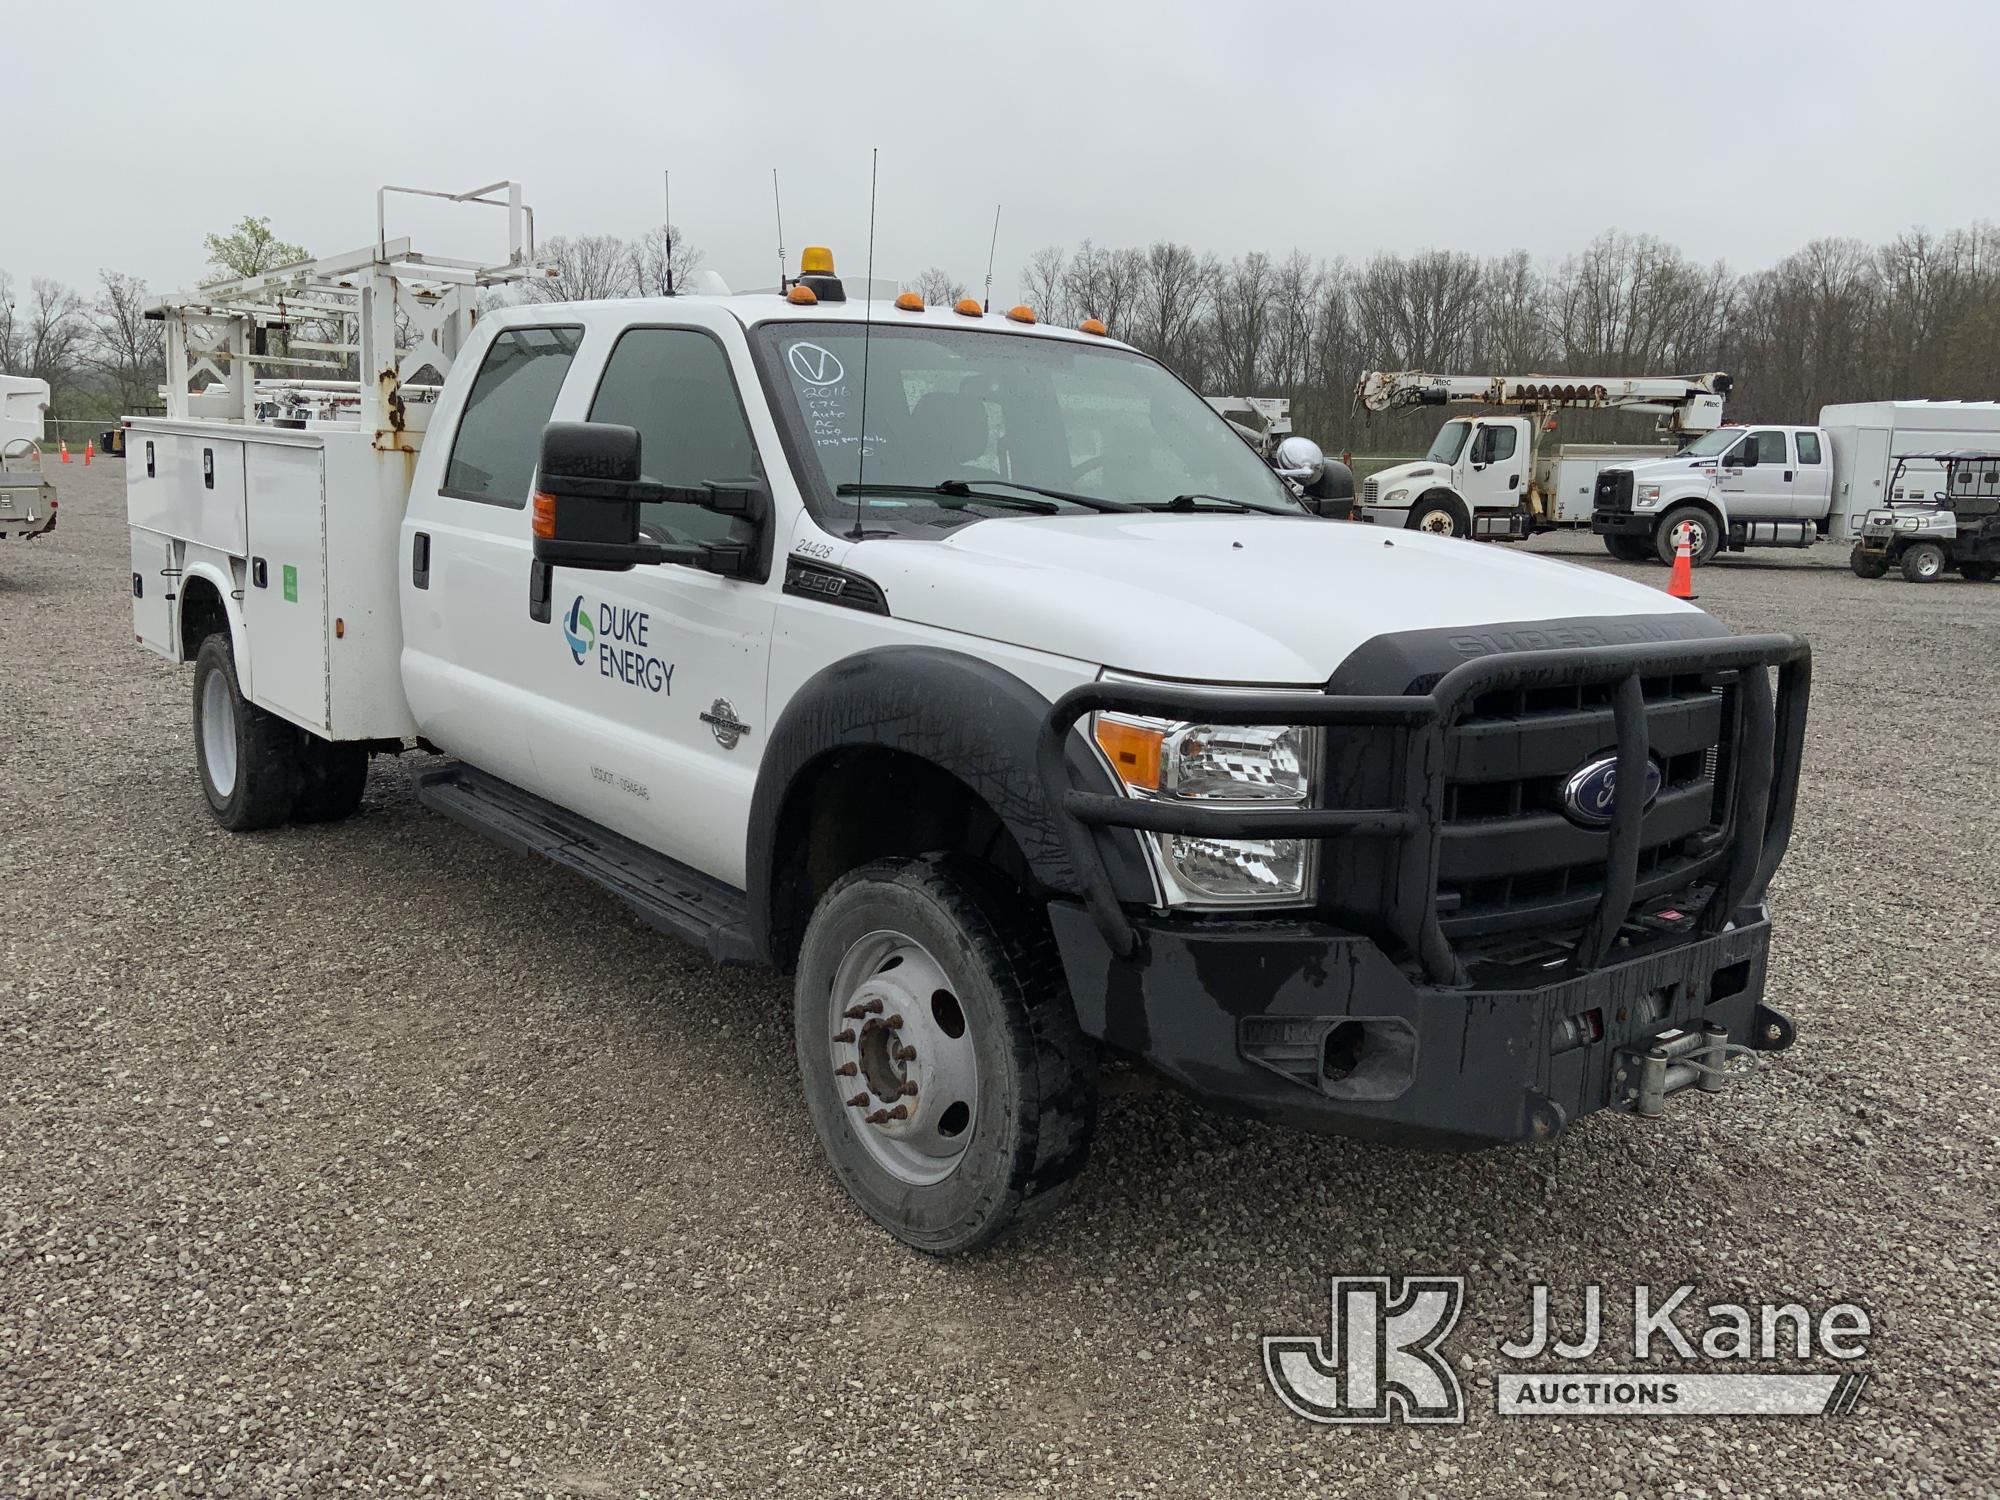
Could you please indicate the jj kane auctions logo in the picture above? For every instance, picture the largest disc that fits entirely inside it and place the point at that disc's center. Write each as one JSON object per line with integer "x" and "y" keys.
{"x": 615, "y": 636}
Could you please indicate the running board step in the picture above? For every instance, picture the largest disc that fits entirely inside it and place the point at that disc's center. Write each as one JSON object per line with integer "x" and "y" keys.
{"x": 680, "y": 902}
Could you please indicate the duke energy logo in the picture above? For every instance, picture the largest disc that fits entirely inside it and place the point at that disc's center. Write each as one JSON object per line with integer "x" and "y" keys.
{"x": 616, "y": 637}
{"x": 579, "y": 631}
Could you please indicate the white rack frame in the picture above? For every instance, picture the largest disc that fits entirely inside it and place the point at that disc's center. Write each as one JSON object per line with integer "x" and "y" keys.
{"x": 378, "y": 292}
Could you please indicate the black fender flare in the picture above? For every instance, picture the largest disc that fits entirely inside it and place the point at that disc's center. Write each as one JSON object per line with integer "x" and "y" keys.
{"x": 972, "y": 719}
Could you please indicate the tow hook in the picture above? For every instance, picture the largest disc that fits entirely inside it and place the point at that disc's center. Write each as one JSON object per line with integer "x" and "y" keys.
{"x": 1672, "y": 1061}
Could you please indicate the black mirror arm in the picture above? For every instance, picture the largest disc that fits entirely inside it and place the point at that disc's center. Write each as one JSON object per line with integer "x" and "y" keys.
{"x": 743, "y": 497}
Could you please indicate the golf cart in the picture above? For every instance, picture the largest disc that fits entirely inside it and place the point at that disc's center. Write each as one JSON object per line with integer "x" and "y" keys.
{"x": 1958, "y": 527}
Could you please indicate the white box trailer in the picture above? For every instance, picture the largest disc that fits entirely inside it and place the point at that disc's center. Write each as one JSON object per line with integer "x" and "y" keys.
{"x": 24, "y": 409}
{"x": 1867, "y": 437}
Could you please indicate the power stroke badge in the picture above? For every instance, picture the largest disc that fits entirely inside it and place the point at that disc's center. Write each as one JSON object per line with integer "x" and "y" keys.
{"x": 615, "y": 638}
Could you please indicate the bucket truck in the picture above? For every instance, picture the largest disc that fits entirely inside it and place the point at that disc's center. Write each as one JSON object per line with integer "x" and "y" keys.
{"x": 1484, "y": 477}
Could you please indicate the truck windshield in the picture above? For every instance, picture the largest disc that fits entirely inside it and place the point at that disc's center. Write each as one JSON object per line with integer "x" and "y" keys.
{"x": 1709, "y": 444}
{"x": 1446, "y": 445}
{"x": 966, "y": 425}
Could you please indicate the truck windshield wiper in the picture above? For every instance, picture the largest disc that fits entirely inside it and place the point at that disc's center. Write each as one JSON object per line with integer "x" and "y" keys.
{"x": 1192, "y": 502}
{"x": 964, "y": 489}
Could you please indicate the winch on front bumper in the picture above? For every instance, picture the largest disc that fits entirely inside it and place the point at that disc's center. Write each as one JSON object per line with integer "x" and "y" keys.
{"x": 1476, "y": 967}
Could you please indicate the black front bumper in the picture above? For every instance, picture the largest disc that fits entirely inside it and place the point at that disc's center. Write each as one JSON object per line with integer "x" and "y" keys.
{"x": 1636, "y": 523}
{"x": 1386, "y": 1010}
{"x": 1301, "y": 1023}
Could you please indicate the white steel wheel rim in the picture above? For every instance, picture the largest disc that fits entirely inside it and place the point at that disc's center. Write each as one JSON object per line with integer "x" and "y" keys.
{"x": 1694, "y": 534}
{"x": 218, "y": 734}
{"x": 901, "y": 1059}
{"x": 1438, "y": 523}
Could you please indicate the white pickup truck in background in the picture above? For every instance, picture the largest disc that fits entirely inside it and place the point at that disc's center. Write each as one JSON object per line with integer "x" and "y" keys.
{"x": 1043, "y": 721}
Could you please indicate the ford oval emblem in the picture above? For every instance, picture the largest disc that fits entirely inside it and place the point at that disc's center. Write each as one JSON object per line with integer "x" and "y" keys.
{"x": 1590, "y": 795}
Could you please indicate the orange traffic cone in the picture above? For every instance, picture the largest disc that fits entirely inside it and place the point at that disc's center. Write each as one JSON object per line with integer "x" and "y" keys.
{"x": 1681, "y": 584}
{"x": 65, "y": 449}
{"x": 89, "y": 447}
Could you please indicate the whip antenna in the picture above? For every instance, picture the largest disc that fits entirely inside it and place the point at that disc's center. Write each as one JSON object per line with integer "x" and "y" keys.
{"x": 987, "y": 305}
{"x": 778, "y": 208}
{"x": 867, "y": 330}
{"x": 669, "y": 187}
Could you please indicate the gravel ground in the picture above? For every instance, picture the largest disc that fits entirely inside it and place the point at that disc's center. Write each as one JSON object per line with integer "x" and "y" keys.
{"x": 373, "y": 1159}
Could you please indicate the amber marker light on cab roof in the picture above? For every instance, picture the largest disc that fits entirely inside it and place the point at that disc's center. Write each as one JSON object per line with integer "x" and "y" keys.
{"x": 968, "y": 306}
{"x": 910, "y": 302}
{"x": 1092, "y": 325}
{"x": 1021, "y": 313}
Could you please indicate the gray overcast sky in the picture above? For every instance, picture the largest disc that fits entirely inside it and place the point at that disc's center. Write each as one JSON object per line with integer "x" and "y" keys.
{"x": 1738, "y": 132}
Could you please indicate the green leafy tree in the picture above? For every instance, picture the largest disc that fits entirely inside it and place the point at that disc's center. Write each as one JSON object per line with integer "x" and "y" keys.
{"x": 250, "y": 249}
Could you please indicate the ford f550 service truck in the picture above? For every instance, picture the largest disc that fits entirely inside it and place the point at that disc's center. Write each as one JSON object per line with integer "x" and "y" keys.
{"x": 975, "y": 673}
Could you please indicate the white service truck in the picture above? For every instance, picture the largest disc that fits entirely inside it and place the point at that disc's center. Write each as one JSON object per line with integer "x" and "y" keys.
{"x": 1025, "y": 717}
{"x": 27, "y": 499}
{"x": 1490, "y": 476}
{"x": 1770, "y": 484}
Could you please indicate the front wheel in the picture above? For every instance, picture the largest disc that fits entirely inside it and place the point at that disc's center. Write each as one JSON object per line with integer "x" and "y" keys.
{"x": 1440, "y": 516}
{"x": 248, "y": 758}
{"x": 1866, "y": 564}
{"x": 945, "y": 1073}
{"x": 1703, "y": 538}
{"x": 1923, "y": 562}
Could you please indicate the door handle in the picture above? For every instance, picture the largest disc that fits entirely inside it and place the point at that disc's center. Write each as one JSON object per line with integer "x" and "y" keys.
{"x": 1788, "y": 476}
{"x": 420, "y": 560}
{"x": 1513, "y": 481}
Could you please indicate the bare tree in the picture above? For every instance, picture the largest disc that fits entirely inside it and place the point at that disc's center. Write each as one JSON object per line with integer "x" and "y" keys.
{"x": 587, "y": 267}
{"x": 938, "y": 287}
{"x": 126, "y": 348}
{"x": 44, "y": 334}
{"x": 654, "y": 253}
{"x": 1044, "y": 281}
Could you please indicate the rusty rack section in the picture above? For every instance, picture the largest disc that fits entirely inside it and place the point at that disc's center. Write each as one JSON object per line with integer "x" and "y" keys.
{"x": 1763, "y": 772}
{"x": 386, "y": 313}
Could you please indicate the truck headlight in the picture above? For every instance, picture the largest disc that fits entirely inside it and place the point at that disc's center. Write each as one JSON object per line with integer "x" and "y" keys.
{"x": 1649, "y": 494}
{"x": 1219, "y": 766}
{"x": 1396, "y": 497}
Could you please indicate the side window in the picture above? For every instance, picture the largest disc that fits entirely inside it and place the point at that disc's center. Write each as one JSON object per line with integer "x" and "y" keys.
{"x": 1770, "y": 448}
{"x": 1808, "y": 448}
{"x": 674, "y": 386}
{"x": 1503, "y": 439}
{"x": 499, "y": 438}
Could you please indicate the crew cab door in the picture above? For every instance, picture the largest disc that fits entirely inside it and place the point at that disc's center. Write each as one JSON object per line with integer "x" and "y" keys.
{"x": 470, "y": 650}
{"x": 1496, "y": 462}
{"x": 1761, "y": 491}
{"x": 1812, "y": 478}
{"x": 652, "y": 719}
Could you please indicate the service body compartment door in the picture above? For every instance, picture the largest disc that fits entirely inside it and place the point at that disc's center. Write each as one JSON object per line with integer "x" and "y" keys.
{"x": 155, "y": 581}
{"x": 284, "y": 606}
{"x": 187, "y": 484}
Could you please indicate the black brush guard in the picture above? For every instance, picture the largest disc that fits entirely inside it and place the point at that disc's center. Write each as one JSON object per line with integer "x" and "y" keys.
{"x": 1762, "y": 768}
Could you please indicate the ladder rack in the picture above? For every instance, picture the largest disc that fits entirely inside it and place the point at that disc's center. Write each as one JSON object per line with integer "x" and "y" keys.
{"x": 397, "y": 313}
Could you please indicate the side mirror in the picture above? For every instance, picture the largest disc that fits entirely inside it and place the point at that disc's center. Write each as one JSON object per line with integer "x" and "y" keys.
{"x": 1745, "y": 456}
{"x": 587, "y": 498}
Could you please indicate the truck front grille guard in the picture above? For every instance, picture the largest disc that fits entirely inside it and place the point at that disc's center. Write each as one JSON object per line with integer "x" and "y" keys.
{"x": 1767, "y": 738}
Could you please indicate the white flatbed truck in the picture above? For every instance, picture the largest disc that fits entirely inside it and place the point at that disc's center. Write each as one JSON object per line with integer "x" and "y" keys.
{"x": 1044, "y": 723}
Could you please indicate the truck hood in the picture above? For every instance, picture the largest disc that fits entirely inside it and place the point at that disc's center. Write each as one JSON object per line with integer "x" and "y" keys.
{"x": 1654, "y": 469}
{"x": 1225, "y": 598}
{"x": 1395, "y": 474}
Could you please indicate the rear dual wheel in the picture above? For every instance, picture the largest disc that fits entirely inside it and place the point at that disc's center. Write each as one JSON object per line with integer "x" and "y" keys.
{"x": 257, "y": 770}
{"x": 944, "y": 1071}
{"x": 1630, "y": 549}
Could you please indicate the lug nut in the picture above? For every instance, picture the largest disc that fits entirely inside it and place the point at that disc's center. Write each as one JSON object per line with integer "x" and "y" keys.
{"x": 893, "y": 1021}
{"x": 845, "y": 1070}
{"x": 859, "y": 1101}
{"x": 865, "y": 1008}
{"x": 908, "y": 1090}
{"x": 906, "y": 1054}
{"x": 900, "y": 1112}
{"x": 844, "y": 1036}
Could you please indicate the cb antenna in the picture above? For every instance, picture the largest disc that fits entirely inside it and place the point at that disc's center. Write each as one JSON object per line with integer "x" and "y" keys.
{"x": 867, "y": 330}
{"x": 779, "y": 209}
{"x": 669, "y": 185}
{"x": 987, "y": 306}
